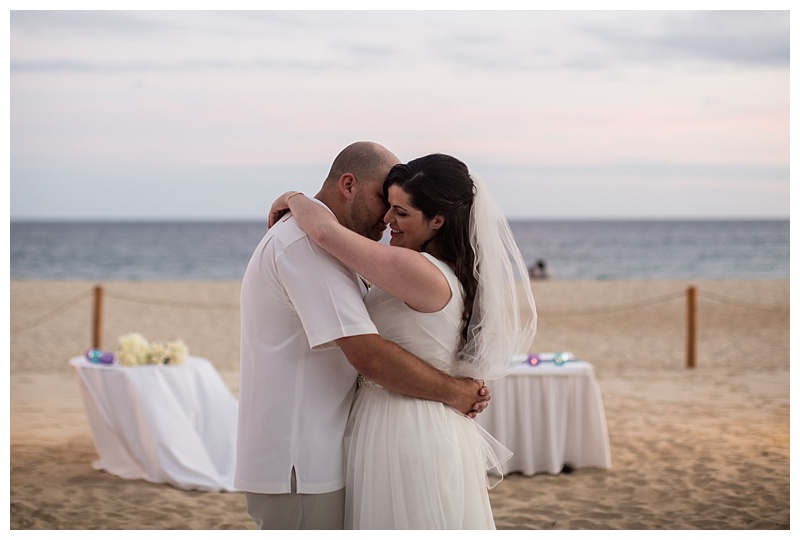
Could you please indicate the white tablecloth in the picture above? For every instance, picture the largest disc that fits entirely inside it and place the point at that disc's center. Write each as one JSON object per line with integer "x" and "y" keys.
{"x": 163, "y": 424}
{"x": 549, "y": 416}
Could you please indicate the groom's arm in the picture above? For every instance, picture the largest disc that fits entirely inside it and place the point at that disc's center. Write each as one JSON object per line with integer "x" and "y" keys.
{"x": 396, "y": 369}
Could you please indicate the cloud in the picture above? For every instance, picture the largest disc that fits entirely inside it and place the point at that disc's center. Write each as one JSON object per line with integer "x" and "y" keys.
{"x": 181, "y": 66}
{"x": 189, "y": 42}
{"x": 504, "y": 41}
{"x": 736, "y": 37}
{"x": 366, "y": 52}
{"x": 599, "y": 40}
{"x": 88, "y": 24}
{"x": 582, "y": 98}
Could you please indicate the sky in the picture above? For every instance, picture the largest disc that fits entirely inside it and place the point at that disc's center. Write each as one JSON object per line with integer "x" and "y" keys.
{"x": 210, "y": 115}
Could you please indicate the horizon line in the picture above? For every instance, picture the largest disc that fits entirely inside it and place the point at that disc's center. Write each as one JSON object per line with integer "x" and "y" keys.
{"x": 218, "y": 219}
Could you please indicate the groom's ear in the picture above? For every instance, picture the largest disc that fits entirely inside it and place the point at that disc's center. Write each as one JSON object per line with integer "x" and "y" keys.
{"x": 347, "y": 186}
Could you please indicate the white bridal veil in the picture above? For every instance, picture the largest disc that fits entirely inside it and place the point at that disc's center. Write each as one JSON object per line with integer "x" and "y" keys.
{"x": 503, "y": 321}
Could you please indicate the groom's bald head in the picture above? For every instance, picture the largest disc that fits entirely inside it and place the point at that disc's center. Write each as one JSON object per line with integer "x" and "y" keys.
{"x": 367, "y": 161}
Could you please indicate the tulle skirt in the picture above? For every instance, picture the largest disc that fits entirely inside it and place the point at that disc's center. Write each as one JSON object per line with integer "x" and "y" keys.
{"x": 416, "y": 464}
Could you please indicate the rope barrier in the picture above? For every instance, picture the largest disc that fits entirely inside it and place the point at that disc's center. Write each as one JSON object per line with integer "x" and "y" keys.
{"x": 170, "y": 303}
{"x": 549, "y": 313}
{"x": 50, "y": 314}
{"x": 738, "y": 303}
{"x": 36, "y": 321}
{"x": 660, "y": 300}
{"x": 624, "y": 307}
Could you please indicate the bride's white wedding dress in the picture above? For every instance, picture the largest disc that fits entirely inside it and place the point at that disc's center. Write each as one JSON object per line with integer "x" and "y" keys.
{"x": 414, "y": 463}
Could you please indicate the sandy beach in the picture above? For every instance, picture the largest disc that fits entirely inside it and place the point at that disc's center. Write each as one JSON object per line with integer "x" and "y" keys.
{"x": 702, "y": 448}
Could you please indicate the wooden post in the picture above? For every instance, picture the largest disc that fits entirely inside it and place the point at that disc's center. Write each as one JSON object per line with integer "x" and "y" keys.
{"x": 97, "y": 318}
{"x": 691, "y": 327}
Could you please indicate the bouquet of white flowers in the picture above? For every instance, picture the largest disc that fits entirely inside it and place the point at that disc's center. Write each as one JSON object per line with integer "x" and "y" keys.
{"x": 168, "y": 352}
{"x": 135, "y": 350}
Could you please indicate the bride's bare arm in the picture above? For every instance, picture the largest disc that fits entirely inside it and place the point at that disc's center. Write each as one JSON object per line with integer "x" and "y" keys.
{"x": 401, "y": 272}
{"x": 280, "y": 207}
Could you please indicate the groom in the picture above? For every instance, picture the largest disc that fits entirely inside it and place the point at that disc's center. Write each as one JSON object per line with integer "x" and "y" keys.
{"x": 305, "y": 335}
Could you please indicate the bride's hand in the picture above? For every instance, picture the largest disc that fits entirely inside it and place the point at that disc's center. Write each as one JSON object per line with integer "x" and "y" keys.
{"x": 475, "y": 397}
{"x": 484, "y": 396}
{"x": 280, "y": 207}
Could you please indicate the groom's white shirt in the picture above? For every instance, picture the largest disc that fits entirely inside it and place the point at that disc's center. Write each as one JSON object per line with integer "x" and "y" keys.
{"x": 296, "y": 386}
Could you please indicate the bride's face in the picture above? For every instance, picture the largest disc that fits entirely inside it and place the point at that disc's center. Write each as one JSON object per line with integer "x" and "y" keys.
{"x": 408, "y": 226}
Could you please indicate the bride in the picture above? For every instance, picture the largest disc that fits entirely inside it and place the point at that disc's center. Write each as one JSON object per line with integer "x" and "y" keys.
{"x": 452, "y": 289}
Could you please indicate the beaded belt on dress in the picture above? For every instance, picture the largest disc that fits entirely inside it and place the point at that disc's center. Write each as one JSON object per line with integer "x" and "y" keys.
{"x": 363, "y": 381}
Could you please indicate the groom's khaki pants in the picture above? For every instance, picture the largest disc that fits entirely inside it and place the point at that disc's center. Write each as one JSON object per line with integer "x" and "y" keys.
{"x": 297, "y": 511}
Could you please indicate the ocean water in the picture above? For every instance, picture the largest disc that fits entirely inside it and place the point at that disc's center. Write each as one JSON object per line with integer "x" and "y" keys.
{"x": 601, "y": 250}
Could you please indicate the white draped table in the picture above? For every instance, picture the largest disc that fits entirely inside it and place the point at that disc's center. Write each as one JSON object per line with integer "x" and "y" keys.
{"x": 162, "y": 423}
{"x": 550, "y": 416}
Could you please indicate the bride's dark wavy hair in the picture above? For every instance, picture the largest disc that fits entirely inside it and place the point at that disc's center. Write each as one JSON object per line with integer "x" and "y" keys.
{"x": 439, "y": 184}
